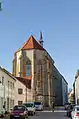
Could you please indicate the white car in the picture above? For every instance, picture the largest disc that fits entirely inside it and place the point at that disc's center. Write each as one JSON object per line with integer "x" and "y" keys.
{"x": 30, "y": 107}
{"x": 39, "y": 106}
{"x": 75, "y": 112}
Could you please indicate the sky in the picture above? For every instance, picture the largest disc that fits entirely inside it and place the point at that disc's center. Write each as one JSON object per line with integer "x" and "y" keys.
{"x": 57, "y": 19}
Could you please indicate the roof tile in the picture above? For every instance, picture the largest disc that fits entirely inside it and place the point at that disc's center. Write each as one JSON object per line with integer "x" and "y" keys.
{"x": 31, "y": 43}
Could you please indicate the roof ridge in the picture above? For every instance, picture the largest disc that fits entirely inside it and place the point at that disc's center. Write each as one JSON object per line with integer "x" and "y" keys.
{"x": 7, "y": 72}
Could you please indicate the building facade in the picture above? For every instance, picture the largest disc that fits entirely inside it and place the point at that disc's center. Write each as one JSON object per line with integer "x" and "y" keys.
{"x": 64, "y": 91}
{"x": 32, "y": 62}
{"x": 7, "y": 94}
{"x": 71, "y": 96}
{"x": 76, "y": 88}
{"x": 22, "y": 90}
{"x": 60, "y": 88}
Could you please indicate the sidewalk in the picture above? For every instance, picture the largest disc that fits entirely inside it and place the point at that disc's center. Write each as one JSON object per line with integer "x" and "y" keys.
{"x": 57, "y": 109}
{"x": 47, "y": 108}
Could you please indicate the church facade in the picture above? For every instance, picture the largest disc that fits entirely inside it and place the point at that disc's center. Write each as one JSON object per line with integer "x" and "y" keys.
{"x": 34, "y": 64}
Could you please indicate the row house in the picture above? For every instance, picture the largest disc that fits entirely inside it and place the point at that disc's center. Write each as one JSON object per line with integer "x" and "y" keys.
{"x": 7, "y": 94}
{"x": 22, "y": 91}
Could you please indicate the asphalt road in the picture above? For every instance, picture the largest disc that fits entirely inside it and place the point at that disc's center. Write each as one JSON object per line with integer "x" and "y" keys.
{"x": 48, "y": 115}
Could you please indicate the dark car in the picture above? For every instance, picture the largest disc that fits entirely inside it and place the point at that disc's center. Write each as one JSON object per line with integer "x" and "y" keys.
{"x": 69, "y": 110}
{"x": 19, "y": 112}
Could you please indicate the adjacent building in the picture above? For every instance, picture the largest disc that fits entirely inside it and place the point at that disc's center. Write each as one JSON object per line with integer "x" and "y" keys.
{"x": 7, "y": 93}
{"x": 64, "y": 91}
{"x": 22, "y": 89}
{"x": 71, "y": 96}
{"x": 60, "y": 88}
{"x": 76, "y": 88}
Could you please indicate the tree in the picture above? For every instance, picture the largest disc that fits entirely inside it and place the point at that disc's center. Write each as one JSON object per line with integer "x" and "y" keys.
{"x": 0, "y": 6}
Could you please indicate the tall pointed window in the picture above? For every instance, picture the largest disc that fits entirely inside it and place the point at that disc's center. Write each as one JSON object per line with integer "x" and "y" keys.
{"x": 28, "y": 68}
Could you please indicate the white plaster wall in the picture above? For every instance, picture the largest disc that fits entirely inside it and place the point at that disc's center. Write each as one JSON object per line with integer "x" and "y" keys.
{"x": 19, "y": 97}
{"x": 5, "y": 89}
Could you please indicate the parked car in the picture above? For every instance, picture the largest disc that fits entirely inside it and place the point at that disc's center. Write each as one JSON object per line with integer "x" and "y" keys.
{"x": 38, "y": 105}
{"x": 19, "y": 112}
{"x": 70, "y": 109}
{"x": 75, "y": 112}
{"x": 31, "y": 108}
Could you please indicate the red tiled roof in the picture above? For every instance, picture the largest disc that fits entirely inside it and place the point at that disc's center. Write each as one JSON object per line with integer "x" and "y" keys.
{"x": 31, "y": 43}
{"x": 27, "y": 77}
{"x": 25, "y": 81}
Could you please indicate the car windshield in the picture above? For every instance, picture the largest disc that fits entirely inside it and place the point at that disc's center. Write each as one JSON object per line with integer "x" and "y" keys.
{"x": 37, "y": 103}
{"x": 21, "y": 108}
{"x": 29, "y": 105}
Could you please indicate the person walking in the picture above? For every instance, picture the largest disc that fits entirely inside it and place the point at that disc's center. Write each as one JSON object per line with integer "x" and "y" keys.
{"x": 53, "y": 106}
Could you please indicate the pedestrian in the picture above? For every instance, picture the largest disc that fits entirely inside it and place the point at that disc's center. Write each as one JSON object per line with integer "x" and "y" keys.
{"x": 53, "y": 106}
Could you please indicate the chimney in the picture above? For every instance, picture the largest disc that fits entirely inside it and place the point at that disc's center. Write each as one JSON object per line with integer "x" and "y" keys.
{"x": 41, "y": 39}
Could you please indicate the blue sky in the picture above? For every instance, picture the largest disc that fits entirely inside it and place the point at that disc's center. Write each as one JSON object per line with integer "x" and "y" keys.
{"x": 57, "y": 19}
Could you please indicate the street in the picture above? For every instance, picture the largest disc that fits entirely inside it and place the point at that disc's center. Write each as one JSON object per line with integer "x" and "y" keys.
{"x": 48, "y": 115}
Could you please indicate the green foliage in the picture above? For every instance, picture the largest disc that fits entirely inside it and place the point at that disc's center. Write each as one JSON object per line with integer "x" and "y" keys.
{"x": 28, "y": 62}
{"x": 0, "y": 6}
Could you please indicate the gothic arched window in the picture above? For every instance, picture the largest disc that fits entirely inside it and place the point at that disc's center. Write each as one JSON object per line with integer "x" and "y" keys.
{"x": 28, "y": 68}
